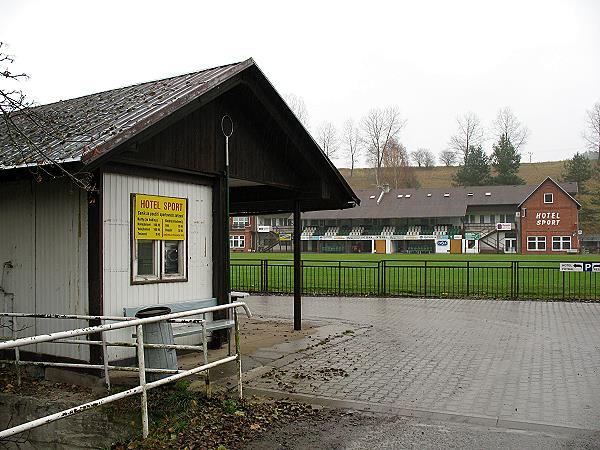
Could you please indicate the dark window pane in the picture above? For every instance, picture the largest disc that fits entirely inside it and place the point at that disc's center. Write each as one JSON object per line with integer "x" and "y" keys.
{"x": 171, "y": 257}
{"x": 145, "y": 254}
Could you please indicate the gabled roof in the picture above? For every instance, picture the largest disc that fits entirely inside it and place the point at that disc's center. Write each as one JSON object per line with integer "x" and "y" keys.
{"x": 84, "y": 128}
{"x": 431, "y": 202}
{"x": 557, "y": 185}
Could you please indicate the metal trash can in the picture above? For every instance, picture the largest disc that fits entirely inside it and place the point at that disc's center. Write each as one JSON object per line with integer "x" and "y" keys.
{"x": 158, "y": 333}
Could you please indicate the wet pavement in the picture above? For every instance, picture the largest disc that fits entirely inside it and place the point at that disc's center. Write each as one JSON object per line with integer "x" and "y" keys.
{"x": 525, "y": 365}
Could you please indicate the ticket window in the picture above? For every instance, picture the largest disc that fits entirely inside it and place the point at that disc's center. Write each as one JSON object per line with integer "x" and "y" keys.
{"x": 159, "y": 239}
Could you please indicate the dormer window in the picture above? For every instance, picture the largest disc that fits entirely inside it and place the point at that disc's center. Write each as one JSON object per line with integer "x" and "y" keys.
{"x": 548, "y": 197}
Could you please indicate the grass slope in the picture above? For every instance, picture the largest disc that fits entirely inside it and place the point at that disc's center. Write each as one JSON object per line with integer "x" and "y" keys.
{"x": 532, "y": 173}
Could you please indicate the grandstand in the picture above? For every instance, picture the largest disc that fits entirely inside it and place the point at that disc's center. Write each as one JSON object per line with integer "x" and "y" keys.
{"x": 434, "y": 220}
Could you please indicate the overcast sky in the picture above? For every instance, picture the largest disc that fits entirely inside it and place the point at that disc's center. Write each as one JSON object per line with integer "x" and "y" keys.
{"x": 435, "y": 60}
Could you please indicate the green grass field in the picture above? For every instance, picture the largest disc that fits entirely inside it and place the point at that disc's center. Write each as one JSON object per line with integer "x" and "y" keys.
{"x": 479, "y": 276}
{"x": 429, "y": 257}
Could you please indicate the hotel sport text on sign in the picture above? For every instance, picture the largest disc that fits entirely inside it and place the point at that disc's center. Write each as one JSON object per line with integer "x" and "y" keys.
{"x": 159, "y": 218}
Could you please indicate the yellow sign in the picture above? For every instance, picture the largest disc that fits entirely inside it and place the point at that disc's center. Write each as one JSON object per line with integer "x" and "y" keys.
{"x": 159, "y": 218}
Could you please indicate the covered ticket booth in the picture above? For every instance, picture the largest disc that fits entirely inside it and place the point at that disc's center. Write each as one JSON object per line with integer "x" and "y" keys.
{"x": 126, "y": 204}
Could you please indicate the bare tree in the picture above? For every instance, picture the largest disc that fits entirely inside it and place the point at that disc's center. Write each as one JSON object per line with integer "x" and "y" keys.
{"x": 20, "y": 119}
{"x": 351, "y": 143}
{"x": 379, "y": 127}
{"x": 298, "y": 107}
{"x": 423, "y": 157}
{"x": 327, "y": 138}
{"x": 448, "y": 157}
{"x": 468, "y": 134}
{"x": 507, "y": 124}
{"x": 398, "y": 172}
{"x": 592, "y": 132}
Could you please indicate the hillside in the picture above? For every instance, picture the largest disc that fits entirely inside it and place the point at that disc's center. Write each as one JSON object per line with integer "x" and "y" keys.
{"x": 532, "y": 173}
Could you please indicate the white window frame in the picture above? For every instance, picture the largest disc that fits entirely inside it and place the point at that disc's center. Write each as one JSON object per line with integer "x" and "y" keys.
{"x": 241, "y": 222}
{"x": 158, "y": 250}
{"x": 512, "y": 241}
{"x": 551, "y": 197}
{"x": 181, "y": 255}
{"x": 155, "y": 276}
{"x": 536, "y": 240}
{"x": 561, "y": 240}
{"x": 237, "y": 241}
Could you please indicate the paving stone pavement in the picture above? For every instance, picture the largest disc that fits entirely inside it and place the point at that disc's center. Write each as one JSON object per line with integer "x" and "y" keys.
{"x": 536, "y": 362}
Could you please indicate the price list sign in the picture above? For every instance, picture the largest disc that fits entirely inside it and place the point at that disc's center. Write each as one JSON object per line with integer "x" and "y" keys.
{"x": 159, "y": 218}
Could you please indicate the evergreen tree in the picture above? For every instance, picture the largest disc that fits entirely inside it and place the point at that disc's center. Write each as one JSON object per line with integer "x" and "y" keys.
{"x": 579, "y": 169}
{"x": 476, "y": 169}
{"x": 506, "y": 160}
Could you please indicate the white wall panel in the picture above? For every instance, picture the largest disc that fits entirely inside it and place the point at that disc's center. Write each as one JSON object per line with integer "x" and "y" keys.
{"x": 17, "y": 238}
{"x": 44, "y": 230}
{"x": 118, "y": 291}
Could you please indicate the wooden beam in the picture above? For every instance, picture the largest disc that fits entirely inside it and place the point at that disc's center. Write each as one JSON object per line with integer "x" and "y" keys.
{"x": 297, "y": 269}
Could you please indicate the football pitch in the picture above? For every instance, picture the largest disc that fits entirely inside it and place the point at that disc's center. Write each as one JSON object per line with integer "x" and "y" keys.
{"x": 509, "y": 276}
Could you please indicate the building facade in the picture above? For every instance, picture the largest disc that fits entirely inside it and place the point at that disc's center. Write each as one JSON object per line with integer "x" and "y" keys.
{"x": 476, "y": 219}
{"x": 549, "y": 221}
{"x": 147, "y": 222}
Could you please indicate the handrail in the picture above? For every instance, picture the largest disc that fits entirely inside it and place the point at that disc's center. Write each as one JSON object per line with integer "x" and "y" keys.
{"x": 115, "y": 326}
{"x": 62, "y": 337}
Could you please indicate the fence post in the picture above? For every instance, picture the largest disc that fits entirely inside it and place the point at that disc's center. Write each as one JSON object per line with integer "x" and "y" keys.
{"x": 142, "y": 372}
{"x": 17, "y": 350}
{"x": 517, "y": 280}
{"x": 205, "y": 354}
{"x": 339, "y": 278}
{"x": 105, "y": 360}
{"x": 563, "y": 285}
{"x": 266, "y": 275}
{"x": 425, "y": 279}
{"x": 238, "y": 360}
{"x": 468, "y": 279}
{"x": 512, "y": 279}
{"x": 382, "y": 289}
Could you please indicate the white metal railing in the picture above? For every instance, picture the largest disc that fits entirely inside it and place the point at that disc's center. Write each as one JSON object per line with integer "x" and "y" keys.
{"x": 66, "y": 337}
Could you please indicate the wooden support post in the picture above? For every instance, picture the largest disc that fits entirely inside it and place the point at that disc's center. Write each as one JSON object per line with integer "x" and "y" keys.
{"x": 297, "y": 270}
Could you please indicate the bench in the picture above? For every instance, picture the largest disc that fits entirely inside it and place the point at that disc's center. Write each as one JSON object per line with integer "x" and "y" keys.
{"x": 188, "y": 329}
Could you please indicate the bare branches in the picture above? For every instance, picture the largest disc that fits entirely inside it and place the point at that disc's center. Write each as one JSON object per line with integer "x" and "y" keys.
{"x": 469, "y": 134}
{"x": 351, "y": 143}
{"x": 423, "y": 157}
{"x": 507, "y": 124}
{"x": 18, "y": 116}
{"x": 448, "y": 157}
{"x": 298, "y": 107}
{"x": 327, "y": 139}
{"x": 592, "y": 131}
{"x": 398, "y": 172}
{"x": 379, "y": 127}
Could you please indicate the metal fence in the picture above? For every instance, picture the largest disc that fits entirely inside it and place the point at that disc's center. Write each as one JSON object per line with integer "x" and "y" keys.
{"x": 530, "y": 280}
{"x": 111, "y": 323}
